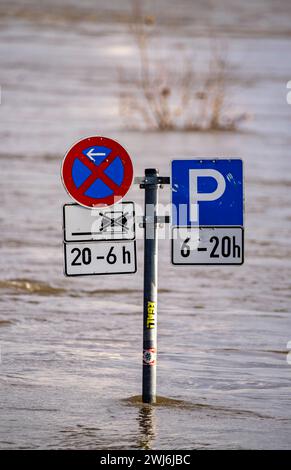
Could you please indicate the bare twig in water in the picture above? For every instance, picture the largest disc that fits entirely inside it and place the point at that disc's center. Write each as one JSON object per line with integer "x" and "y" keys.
{"x": 168, "y": 98}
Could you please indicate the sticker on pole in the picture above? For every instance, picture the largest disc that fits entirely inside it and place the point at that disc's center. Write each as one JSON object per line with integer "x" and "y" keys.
{"x": 150, "y": 356}
{"x": 97, "y": 172}
{"x": 207, "y": 211}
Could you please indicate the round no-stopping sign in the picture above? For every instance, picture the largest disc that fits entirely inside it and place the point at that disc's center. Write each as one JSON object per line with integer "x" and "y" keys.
{"x": 97, "y": 171}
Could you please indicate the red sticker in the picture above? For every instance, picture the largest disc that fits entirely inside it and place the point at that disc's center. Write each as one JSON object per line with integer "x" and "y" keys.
{"x": 150, "y": 356}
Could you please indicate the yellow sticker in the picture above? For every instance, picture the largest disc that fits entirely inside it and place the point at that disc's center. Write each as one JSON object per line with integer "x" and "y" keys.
{"x": 151, "y": 312}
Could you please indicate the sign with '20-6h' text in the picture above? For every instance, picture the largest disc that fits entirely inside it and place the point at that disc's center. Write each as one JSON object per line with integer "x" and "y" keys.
{"x": 207, "y": 218}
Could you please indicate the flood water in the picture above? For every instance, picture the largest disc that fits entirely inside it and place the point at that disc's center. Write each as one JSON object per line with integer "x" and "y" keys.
{"x": 70, "y": 372}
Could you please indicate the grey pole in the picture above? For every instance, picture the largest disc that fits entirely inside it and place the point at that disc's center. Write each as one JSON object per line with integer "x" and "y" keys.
{"x": 150, "y": 184}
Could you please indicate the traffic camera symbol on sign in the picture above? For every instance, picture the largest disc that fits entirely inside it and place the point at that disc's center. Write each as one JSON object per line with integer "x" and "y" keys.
{"x": 207, "y": 192}
{"x": 97, "y": 171}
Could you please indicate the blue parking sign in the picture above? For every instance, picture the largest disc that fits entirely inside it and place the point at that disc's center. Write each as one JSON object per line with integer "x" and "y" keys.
{"x": 207, "y": 192}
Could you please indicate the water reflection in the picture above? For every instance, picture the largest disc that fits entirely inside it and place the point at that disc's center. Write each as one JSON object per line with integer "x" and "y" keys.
{"x": 147, "y": 426}
{"x": 147, "y": 416}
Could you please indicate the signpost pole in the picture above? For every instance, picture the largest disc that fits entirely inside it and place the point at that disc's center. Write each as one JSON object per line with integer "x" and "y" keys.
{"x": 150, "y": 184}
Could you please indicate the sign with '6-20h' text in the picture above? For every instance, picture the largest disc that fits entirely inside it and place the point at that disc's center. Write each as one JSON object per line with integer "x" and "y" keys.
{"x": 207, "y": 218}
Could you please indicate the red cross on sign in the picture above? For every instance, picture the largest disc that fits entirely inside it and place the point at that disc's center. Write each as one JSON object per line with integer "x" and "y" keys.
{"x": 97, "y": 171}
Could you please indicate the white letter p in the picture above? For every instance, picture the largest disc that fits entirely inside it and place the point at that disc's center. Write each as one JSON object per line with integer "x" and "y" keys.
{"x": 194, "y": 196}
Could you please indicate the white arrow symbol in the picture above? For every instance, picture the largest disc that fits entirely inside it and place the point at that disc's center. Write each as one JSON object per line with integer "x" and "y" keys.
{"x": 91, "y": 154}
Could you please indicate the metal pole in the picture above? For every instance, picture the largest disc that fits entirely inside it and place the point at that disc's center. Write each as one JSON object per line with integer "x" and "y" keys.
{"x": 150, "y": 184}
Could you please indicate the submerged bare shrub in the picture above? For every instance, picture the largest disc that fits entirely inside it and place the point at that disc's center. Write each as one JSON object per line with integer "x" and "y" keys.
{"x": 164, "y": 97}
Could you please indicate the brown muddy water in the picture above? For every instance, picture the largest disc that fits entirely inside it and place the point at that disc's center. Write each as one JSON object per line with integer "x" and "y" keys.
{"x": 70, "y": 372}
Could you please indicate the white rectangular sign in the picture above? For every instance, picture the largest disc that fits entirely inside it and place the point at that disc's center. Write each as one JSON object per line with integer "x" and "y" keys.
{"x": 207, "y": 245}
{"x": 112, "y": 223}
{"x": 83, "y": 259}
